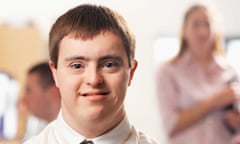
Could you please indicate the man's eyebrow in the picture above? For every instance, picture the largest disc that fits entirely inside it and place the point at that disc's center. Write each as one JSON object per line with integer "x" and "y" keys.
{"x": 75, "y": 58}
{"x": 103, "y": 58}
{"x": 110, "y": 57}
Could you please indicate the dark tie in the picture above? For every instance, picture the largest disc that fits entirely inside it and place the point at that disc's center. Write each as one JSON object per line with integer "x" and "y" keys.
{"x": 86, "y": 142}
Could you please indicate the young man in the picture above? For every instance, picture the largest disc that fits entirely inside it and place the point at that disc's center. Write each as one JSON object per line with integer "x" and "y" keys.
{"x": 92, "y": 60}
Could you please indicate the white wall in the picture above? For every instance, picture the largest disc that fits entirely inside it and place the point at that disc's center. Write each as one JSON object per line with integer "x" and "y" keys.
{"x": 148, "y": 19}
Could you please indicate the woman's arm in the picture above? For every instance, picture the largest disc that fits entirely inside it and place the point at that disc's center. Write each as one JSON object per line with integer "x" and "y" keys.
{"x": 192, "y": 115}
{"x": 176, "y": 119}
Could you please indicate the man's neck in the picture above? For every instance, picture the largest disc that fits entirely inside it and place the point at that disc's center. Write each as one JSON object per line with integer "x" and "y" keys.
{"x": 94, "y": 128}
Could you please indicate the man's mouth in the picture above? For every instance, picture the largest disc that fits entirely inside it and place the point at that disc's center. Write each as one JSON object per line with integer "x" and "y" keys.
{"x": 95, "y": 96}
{"x": 99, "y": 93}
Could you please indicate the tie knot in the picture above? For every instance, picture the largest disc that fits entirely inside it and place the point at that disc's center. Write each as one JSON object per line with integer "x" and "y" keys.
{"x": 86, "y": 142}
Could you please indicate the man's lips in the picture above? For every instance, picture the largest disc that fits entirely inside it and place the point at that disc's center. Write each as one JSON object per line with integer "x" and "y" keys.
{"x": 99, "y": 93}
{"x": 95, "y": 96}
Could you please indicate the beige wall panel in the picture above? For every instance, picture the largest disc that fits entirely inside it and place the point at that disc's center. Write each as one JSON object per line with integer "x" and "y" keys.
{"x": 20, "y": 47}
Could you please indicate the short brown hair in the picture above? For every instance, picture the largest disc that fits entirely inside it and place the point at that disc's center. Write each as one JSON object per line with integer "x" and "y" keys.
{"x": 85, "y": 22}
{"x": 44, "y": 72}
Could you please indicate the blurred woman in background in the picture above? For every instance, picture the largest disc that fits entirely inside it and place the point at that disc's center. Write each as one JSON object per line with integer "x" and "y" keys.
{"x": 195, "y": 86}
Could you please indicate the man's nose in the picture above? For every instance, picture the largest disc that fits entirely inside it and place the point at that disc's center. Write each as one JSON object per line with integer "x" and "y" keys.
{"x": 94, "y": 77}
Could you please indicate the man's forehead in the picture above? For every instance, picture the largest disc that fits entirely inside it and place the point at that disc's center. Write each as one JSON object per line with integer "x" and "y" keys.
{"x": 102, "y": 45}
{"x": 89, "y": 36}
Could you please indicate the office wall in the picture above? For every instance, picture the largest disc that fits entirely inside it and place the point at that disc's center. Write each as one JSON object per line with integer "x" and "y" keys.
{"x": 148, "y": 19}
{"x": 20, "y": 47}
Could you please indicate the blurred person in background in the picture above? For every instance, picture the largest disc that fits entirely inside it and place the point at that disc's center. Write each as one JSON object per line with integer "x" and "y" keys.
{"x": 9, "y": 89}
{"x": 41, "y": 100}
{"x": 196, "y": 86}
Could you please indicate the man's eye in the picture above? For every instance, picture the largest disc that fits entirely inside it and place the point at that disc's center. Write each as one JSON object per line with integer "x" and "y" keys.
{"x": 76, "y": 66}
{"x": 109, "y": 65}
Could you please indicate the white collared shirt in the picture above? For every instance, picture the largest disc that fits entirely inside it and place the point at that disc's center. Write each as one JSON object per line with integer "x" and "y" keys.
{"x": 58, "y": 132}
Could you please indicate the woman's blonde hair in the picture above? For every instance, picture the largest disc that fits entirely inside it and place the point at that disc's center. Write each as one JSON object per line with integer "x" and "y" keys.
{"x": 217, "y": 44}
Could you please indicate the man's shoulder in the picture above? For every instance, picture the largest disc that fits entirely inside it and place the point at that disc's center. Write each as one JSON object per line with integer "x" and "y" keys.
{"x": 43, "y": 136}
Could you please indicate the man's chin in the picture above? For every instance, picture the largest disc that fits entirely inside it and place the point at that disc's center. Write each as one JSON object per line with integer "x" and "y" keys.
{"x": 95, "y": 114}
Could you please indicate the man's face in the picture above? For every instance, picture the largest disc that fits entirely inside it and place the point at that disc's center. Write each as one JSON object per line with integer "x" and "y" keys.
{"x": 92, "y": 76}
{"x": 35, "y": 96}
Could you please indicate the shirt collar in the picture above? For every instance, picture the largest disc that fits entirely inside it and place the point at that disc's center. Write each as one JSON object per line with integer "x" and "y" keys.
{"x": 66, "y": 134}
{"x": 118, "y": 135}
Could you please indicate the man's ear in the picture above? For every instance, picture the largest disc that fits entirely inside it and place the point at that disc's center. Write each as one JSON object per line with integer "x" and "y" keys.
{"x": 132, "y": 71}
{"x": 54, "y": 71}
